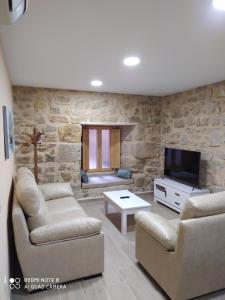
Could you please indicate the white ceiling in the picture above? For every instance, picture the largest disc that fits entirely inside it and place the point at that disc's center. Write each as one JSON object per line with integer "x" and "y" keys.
{"x": 67, "y": 43}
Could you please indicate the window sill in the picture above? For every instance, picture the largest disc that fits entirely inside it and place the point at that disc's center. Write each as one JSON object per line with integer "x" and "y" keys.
{"x": 105, "y": 180}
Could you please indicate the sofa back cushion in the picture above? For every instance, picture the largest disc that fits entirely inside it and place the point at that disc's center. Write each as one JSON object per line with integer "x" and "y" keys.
{"x": 41, "y": 218}
{"x": 31, "y": 201}
{"x": 24, "y": 171}
{"x": 205, "y": 205}
{"x": 52, "y": 191}
{"x": 28, "y": 194}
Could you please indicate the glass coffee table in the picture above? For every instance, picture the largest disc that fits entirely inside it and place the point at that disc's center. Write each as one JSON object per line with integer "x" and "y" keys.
{"x": 126, "y": 203}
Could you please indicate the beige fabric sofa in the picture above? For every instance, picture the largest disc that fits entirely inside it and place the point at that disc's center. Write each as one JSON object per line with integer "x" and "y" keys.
{"x": 187, "y": 259}
{"x": 53, "y": 235}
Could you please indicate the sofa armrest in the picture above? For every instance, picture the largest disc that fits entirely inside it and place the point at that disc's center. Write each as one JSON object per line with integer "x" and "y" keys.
{"x": 65, "y": 230}
{"x": 158, "y": 227}
{"x": 52, "y": 191}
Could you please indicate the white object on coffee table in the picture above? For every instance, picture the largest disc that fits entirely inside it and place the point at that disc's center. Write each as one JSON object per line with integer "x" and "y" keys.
{"x": 126, "y": 206}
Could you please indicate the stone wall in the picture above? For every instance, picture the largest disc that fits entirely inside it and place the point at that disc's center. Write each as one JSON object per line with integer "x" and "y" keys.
{"x": 195, "y": 120}
{"x": 59, "y": 113}
{"x": 192, "y": 120}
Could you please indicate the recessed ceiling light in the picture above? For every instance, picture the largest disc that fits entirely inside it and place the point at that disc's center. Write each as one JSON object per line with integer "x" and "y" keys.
{"x": 219, "y": 4}
{"x": 131, "y": 61}
{"x": 96, "y": 82}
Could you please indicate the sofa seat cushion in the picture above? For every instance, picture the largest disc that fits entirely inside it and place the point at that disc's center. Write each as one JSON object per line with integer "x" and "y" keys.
{"x": 63, "y": 209}
{"x": 66, "y": 230}
{"x": 62, "y": 204}
{"x": 69, "y": 214}
{"x": 56, "y": 190}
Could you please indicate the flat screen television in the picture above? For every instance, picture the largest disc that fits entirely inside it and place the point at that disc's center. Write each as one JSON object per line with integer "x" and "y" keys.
{"x": 182, "y": 165}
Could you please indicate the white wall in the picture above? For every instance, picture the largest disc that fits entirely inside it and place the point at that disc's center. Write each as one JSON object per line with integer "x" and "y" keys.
{"x": 6, "y": 173}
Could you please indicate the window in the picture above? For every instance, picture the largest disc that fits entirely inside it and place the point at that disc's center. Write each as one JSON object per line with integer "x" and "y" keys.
{"x": 101, "y": 148}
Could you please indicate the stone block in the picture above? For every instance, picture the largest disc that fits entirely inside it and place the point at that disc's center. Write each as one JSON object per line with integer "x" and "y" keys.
{"x": 130, "y": 162}
{"x": 70, "y": 133}
{"x": 48, "y": 178}
{"x": 191, "y": 121}
{"x": 139, "y": 179}
{"x": 179, "y": 124}
{"x": 39, "y": 118}
{"x": 215, "y": 121}
{"x": 26, "y": 148}
{"x": 23, "y": 159}
{"x": 66, "y": 176}
{"x": 49, "y": 128}
{"x": 50, "y": 137}
{"x": 213, "y": 106}
{"x": 166, "y": 129}
{"x": 49, "y": 158}
{"x": 145, "y": 150}
{"x": 81, "y": 103}
{"x": 138, "y": 133}
{"x": 218, "y": 90}
{"x": 135, "y": 119}
{"x": 58, "y": 119}
{"x": 176, "y": 112}
{"x": 196, "y": 109}
{"x": 202, "y": 121}
{"x": 63, "y": 110}
{"x": 68, "y": 152}
{"x": 215, "y": 139}
{"x": 62, "y": 100}
{"x": 192, "y": 99}
{"x": 40, "y": 105}
{"x": 54, "y": 110}
{"x": 79, "y": 119}
{"x": 173, "y": 138}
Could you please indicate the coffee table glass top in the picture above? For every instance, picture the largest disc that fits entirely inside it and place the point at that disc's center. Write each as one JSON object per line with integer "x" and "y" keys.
{"x": 127, "y": 203}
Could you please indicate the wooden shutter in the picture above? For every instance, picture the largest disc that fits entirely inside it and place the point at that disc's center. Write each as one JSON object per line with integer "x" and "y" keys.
{"x": 115, "y": 148}
{"x": 85, "y": 149}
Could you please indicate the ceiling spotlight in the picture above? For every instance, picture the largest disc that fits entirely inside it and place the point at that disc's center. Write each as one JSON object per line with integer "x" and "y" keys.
{"x": 219, "y": 4}
{"x": 131, "y": 61}
{"x": 96, "y": 82}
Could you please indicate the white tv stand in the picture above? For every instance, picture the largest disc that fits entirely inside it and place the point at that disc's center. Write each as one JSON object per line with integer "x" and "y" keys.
{"x": 174, "y": 194}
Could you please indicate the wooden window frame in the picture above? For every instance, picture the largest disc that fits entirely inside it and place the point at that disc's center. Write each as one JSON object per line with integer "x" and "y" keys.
{"x": 85, "y": 141}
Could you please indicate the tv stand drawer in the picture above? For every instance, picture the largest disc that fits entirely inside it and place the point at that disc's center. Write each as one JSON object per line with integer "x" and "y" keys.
{"x": 176, "y": 201}
{"x": 178, "y": 195}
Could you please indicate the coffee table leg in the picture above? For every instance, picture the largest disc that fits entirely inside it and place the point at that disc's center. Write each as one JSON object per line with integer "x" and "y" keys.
{"x": 106, "y": 207}
{"x": 123, "y": 223}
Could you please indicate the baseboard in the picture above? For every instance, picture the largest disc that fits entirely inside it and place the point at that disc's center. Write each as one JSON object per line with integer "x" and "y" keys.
{"x": 101, "y": 197}
{"x": 144, "y": 192}
{"x": 89, "y": 198}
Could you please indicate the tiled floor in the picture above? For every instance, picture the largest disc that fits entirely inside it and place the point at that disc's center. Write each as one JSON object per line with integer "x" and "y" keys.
{"x": 123, "y": 278}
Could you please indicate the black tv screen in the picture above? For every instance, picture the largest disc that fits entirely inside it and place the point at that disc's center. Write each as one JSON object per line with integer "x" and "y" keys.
{"x": 182, "y": 165}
